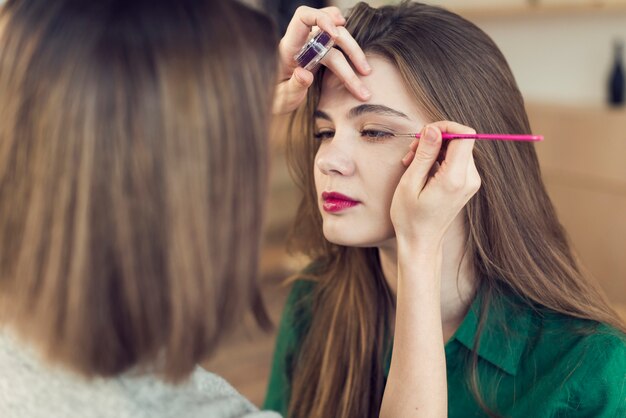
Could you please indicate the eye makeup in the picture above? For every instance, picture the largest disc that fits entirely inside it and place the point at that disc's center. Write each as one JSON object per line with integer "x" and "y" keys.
{"x": 372, "y": 135}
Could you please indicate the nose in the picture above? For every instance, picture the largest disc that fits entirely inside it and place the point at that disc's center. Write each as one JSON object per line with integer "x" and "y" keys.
{"x": 334, "y": 157}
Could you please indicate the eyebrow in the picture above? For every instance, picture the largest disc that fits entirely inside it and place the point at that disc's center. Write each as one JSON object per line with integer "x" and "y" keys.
{"x": 363, "y": 109}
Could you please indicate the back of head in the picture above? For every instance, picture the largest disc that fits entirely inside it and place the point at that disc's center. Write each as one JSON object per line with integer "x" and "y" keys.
{"x": 132, "y": 173}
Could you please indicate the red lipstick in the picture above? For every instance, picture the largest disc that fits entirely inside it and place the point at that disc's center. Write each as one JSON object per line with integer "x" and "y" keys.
{"x": 336, "y": 202}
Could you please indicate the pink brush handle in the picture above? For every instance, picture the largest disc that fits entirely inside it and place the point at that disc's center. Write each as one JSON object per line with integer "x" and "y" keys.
{"x": 493, "y": 137}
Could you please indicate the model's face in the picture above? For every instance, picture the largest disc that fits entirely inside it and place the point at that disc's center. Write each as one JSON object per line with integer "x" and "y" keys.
{"x": 356, "y": 158}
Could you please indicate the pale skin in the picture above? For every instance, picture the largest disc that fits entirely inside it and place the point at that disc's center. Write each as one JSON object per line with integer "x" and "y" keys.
{"x": 410, "y": 209}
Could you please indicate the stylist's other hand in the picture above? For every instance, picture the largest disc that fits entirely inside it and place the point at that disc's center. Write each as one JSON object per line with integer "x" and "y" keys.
{"x": 431, "y": 194}
{"x": 294, "y": 81}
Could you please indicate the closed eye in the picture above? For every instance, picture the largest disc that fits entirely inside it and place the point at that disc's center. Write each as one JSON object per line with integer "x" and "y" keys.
{"x": 324, "y": 134}
{"x": 368, "y": 134}
{"x": 375, "y": 135}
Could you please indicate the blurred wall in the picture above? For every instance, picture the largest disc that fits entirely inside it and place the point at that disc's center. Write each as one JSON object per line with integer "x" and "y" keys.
{"x": 560, "y": 50}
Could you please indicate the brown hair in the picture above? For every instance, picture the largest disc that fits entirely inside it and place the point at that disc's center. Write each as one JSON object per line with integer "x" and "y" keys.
{"x": 132, "y": 176}
{"x": 455, "y": 72}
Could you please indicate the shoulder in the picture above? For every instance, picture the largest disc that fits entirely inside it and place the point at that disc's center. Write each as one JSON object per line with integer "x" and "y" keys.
{"x": 604, "y": 351}
{"x": 580, "y": 339}
{"x": 588, "y": 363}
{"x": 581, "y": 335}
{"x": 210, "y": 395}
{"x": 30, "y": 387}
{"x": 203, "y": 394}
{"x": 599, "y": 384}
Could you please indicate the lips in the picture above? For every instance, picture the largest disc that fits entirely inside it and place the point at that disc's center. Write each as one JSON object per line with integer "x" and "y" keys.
{"x": 336, "y": 202}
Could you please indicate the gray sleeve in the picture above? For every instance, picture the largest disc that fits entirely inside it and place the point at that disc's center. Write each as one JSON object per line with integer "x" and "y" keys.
{"x": 31, "y": 388}
{"x": 223, "y": 400}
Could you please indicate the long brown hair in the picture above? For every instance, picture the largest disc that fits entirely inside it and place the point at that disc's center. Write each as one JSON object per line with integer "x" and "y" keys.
{"x": 132, "y": 177}
{"x": 455, "y": 72}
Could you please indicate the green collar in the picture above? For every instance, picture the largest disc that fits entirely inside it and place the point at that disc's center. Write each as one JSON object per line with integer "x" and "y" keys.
{"x": 504, "y": 335}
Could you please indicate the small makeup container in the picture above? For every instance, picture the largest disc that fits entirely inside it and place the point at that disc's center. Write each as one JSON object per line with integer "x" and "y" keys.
{"x": 314, "y": 50}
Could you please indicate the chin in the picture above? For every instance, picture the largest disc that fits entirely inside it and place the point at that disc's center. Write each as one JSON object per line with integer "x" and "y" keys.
{"x": 344, "y": 242}
{"x": 351, "y": 239}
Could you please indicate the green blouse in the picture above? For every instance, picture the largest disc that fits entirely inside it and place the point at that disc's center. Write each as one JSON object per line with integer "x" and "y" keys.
{"x": 531, "y": 363}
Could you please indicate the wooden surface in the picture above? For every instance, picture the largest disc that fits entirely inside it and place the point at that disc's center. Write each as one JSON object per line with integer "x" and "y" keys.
{"x": 583, "y": 162}
{"x": 590, "y": 8}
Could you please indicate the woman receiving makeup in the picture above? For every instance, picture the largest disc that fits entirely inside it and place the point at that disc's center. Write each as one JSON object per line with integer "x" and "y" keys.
{"x": 133, "y": 153}
{"x": 441, "y": 282}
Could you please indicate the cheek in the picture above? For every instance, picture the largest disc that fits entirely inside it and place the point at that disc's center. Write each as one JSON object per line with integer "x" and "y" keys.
{"x": 384, "y": 177}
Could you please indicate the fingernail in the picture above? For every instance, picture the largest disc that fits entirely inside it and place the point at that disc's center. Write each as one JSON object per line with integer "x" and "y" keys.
{"x": 366, "y": 66}
{"x": 335, "y": 32}
{"x": 365, "y": 93}
{"x": 430, "y": 136}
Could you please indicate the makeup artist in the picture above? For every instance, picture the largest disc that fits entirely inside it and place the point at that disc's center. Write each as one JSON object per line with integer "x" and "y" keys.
{"x": 133, "y": 153}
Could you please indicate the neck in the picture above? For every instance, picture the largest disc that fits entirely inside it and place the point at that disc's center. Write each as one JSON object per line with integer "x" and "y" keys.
{"x": 457, "y": 279}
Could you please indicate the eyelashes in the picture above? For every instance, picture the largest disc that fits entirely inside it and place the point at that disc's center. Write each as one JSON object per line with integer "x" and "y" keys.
{"x": 373, "y": 135}
{"x": 321, "y": 135}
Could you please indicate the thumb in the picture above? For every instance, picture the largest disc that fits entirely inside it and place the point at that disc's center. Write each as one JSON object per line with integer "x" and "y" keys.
{"x": 290, "y": 93}
{"x": 301, "y": 79}
{"x": 426, "y": 154}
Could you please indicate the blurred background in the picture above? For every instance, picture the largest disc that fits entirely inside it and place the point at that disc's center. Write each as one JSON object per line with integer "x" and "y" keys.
{"x": 566, "y": 57}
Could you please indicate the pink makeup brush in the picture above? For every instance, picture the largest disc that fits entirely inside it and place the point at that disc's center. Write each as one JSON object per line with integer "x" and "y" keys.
{"x": 488, "y": 137}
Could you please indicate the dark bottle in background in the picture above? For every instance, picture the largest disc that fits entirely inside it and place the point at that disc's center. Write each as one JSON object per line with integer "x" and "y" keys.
{"x": 616, "y": 78}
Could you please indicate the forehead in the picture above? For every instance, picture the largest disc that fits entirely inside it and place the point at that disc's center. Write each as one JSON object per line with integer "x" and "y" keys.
{"x": 384, "y": 82}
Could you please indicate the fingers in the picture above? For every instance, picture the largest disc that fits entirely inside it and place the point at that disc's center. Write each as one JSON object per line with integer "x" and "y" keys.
{"x": 290, "y": 93}
{"x": 328, "y": 19}
{"x": 293, "y": 82}
{"x": 458, "y": 174}
{"x": 473, "y": 179}
{"x": 303, "y": 20}
{"x": 299, "y": 30}
{"x": 335, "y": 13}
{"x": 458, "y": 155}
{"x": 425, "y": 156}
{"x": 458, "y": 169}
{"x": 446, "y": 126}
{"x": 338, "y": 64}
{"x": 406, "y": 161}
{"x": 352, "y": 49}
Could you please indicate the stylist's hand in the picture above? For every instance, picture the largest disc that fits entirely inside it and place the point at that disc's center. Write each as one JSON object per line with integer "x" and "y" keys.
{"x": 294, "y": 81}
{"x": 431, "y": 194}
